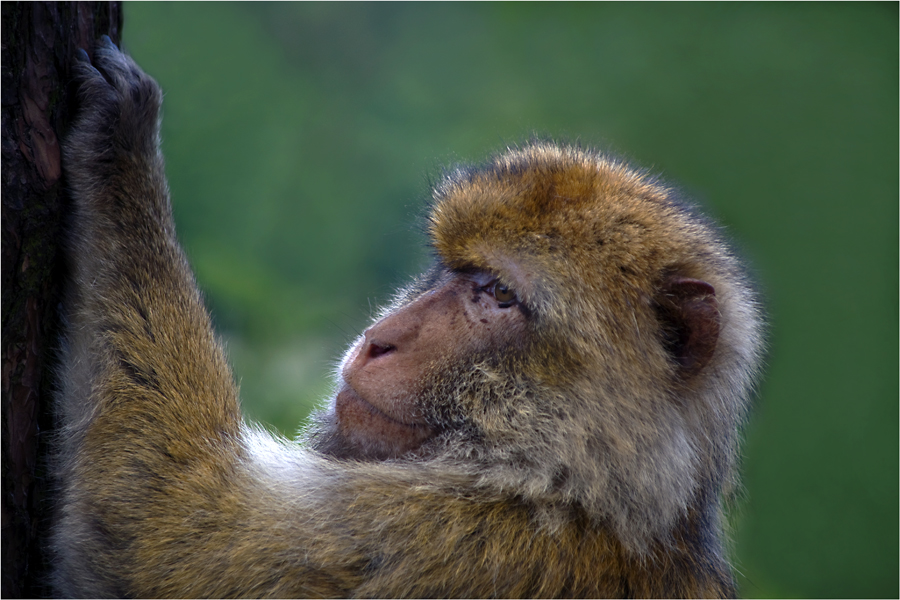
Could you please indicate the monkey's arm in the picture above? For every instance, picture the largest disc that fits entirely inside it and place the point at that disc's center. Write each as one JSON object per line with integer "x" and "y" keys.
{"x": 148, "y": 404}
{"x": 164, "y": 490}
{"x": 138, "y": 322}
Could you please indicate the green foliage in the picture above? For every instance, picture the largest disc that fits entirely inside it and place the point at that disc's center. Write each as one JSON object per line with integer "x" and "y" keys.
{"x": 301, "y": 139}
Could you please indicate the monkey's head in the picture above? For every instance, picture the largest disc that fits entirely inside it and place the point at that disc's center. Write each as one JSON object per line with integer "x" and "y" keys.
{"x": 582, "y": 339}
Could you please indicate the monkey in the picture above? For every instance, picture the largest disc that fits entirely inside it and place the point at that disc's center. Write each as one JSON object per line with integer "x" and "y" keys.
{"x": 553, "y": 408}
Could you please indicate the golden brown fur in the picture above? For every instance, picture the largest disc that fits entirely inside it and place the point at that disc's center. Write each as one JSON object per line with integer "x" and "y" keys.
{"x": 578, "y": 443}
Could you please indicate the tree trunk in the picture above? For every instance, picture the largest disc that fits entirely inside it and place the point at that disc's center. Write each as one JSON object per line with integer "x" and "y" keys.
{"x": 39, "y": 40}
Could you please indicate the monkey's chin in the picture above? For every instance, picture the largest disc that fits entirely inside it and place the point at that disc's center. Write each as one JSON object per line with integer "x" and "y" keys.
{"x": 370, "y": 433}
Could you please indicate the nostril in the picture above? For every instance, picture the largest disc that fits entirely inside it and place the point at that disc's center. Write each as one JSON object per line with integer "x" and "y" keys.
{"x": 376, "y": 349}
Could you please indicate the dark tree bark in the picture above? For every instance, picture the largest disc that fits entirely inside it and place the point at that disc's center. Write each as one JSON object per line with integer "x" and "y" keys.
{"x": 39, "y": 40}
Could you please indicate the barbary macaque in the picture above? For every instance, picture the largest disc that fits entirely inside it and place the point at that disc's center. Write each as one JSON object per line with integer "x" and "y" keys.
{"x": 552, "y": 409}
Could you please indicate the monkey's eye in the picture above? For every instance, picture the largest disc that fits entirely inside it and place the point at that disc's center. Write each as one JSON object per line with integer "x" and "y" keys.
{"x": 503, "y": 294}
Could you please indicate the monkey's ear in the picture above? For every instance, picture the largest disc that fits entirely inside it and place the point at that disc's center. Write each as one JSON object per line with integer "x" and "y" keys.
{"x": 690, "y": 318}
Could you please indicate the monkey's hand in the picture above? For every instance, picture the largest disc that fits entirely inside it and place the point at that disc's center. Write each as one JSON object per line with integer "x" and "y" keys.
{"x": 112, "y": 151}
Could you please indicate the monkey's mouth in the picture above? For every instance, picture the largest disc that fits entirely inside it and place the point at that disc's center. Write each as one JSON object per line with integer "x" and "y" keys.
{"x": 372, "y": 432}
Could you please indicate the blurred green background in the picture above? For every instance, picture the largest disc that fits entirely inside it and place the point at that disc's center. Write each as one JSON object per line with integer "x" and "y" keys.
{"x": 301, "y": 140}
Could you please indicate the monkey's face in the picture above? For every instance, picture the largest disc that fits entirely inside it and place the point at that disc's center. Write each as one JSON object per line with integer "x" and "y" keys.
{"x": 385, "y": 406}
{"x": 541, "y": 319}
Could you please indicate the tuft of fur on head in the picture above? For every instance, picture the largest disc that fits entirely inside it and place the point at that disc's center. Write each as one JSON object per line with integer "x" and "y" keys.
{"x": 593, "y": 411}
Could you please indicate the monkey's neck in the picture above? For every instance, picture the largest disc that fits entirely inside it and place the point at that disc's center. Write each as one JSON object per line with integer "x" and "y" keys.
{"x": 689, "y": 563}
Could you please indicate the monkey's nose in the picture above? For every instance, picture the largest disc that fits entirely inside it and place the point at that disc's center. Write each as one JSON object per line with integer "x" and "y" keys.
{"x": 377, "y": 349}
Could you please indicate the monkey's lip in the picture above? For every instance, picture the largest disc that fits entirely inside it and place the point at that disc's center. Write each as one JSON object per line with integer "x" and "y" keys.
{"x": 348, "y": 395}
{"x": 374, "y": 433}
